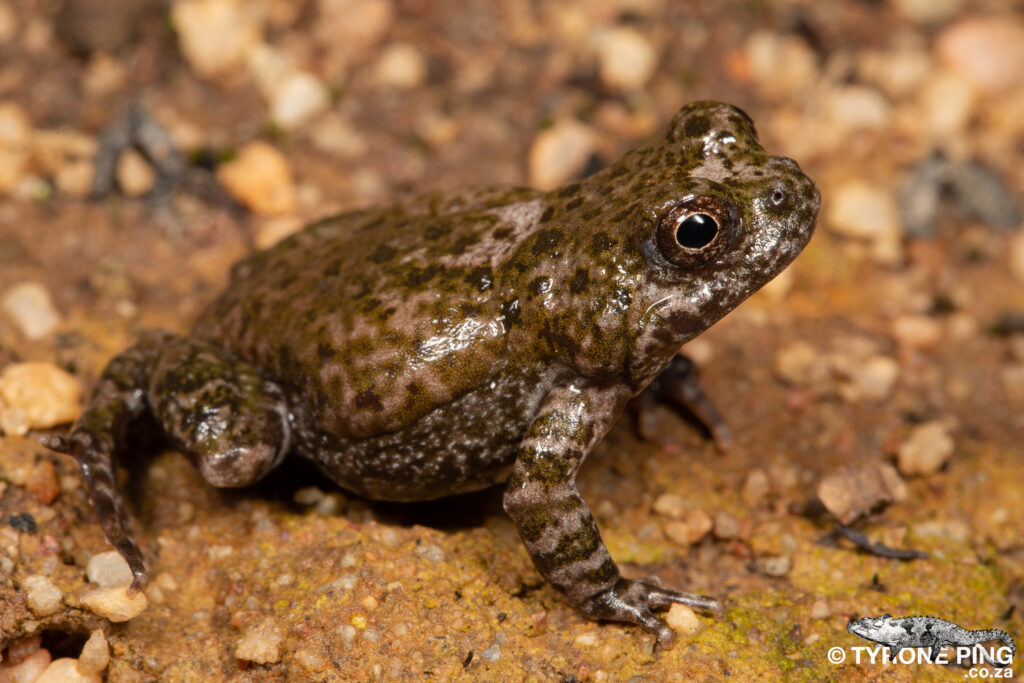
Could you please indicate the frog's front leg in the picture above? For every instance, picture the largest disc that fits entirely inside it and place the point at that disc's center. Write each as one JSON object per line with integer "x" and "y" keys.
{"x": 679, "y": 385}
{"x": 218, "y": 410}
{"x": 558, "y": 528}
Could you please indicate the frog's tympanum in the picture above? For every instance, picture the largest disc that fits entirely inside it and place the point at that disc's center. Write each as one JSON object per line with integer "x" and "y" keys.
{"x": 457, "y": 341}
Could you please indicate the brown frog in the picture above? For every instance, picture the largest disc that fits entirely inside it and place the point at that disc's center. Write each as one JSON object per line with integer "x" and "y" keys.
{"x": 453, "y": 342}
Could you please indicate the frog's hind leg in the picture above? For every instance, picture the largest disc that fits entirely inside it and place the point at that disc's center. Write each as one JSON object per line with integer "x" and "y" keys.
{"x": 219, "y": 411}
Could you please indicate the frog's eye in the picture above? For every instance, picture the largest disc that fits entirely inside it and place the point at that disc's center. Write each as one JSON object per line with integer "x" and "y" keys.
{"x": 691, "y": 233}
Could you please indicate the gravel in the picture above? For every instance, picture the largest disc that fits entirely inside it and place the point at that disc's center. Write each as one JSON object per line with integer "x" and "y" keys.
{"x": 30, "y": 308}
{"x": 37, "y": 395}
{"x": 42, "y": 596}
{"x": 926, "y": 450}
{"x": 260, "y": 177}
{"x": 109, "y": 569}
{"x": 558, "y": 154}
{"x": 114, "y": 603}
{"x": 261, "y": 644}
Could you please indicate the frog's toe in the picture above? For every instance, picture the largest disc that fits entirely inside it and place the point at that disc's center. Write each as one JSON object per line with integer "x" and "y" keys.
{"x": 633, "y": 601}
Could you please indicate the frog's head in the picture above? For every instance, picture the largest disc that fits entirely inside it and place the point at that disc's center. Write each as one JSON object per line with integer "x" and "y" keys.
{"x": 715, "y": 218}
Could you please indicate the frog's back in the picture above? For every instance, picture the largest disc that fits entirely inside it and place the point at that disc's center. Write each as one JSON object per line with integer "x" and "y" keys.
{"x": 377, "y": 316}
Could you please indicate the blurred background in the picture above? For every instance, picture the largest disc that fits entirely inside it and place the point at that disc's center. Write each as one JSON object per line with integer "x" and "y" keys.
{"x": 879, "y": 382}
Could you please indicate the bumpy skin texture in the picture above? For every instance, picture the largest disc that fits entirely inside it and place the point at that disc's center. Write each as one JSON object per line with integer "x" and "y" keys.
{"x": 930, "y": 632}
{"x": 457, "y": 341}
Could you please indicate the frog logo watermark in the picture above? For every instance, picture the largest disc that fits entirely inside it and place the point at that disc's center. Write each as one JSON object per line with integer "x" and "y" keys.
{"x": 906, "y": 637}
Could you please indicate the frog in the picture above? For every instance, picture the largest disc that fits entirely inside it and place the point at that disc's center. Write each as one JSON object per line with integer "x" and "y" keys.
{"x": 461, "y": 340}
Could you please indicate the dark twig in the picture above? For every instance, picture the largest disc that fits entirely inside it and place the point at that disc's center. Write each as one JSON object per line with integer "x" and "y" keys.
{"x": 880, "y": 549}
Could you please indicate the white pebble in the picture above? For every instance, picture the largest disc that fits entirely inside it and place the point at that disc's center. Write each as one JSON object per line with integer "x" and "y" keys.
{"x": 42, "y": 596}
{"x": 863, "y": 211}
{"x": 820, "y": 610}
{"x": 558, "y": 154}
{"x": 29, "y": 306}
{"x": 401, "y": 66}
{"x": 926, "y": 450}
{"x": 929, "y": 11}
{"x": 874, "y": 379}
{"x": 917, "y": 331}
{"x": 756, "y": 487}
{"x": 109, "y": 569}
{"x": 135, "y": 176}
{"x": 95, "y": 653}
{"x": 25, "y": 670}
{"x": 431, "y": 552}
{"x": 261, "y": 178}
{"x": 65, "y": 670}
{"x": 588, "y": 639}
{"x": 298, "y": 99}
{"x": 216, "y": 35}
{"x": 987, "y": 51}
{"x": 947, "y": 101}
{"x": 799, "y": 364}
{"x": 670, "y": 505}
{"x": 683, "y": 620}
{"x": 40, "y": 394}
{"x": 114, "y": 602}
{"x": 261, "y": 644}
{"x": 334, "y": 135}
{"x": 857, "y": 107}
{"x": 491, "y": 654}
{"x": 726, "y": 526}
{"x": 781, "y": 65}
{"x": 626, "y": 58}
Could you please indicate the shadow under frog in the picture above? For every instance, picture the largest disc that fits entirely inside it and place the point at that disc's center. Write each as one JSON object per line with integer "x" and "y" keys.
{"x": 456, "y": 341}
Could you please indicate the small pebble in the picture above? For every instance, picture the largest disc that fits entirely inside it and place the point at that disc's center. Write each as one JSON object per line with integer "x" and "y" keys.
{"x": 820, "y": 610}
{"x": 15, "y": 129}
{"x": 926, "y": 450}
{"x": 65, "y": 670}
{"x": 917, "y": 331}
{"x": 19, "y": 650}
{"x": 401, "y": 66}
{"x": 852, "y": 491}
{"x": 559, "y": 154}
{"x": 874, "y": 379}
{"x": 491, "y": 654}
{"x": 335, "y": 135}
{"x": 27, "y": 669}
{"x": 309, "y": 495}
{"x": 626, "y": 58}
{"x": 298, "y": 99}
{"x": 135, "y": 176}
{"x": 699, "y": 524}
{"x": 109, "y": 569}
{"x": 929, "y": 11}
{"x": 260, "y": 178}
{"x": 42, "y": 482}
{"x": 683, "y": 620}
{"x": 29, "y": 306}
{"x": 725, "y": 526}
{"x": 987, "y": 51}
{"x": 756, "y": 487}
{"x": 261, "y": 644}
{"x": 860, "y": 210}
{"x": 780, "y": 65}
{"x": 95, "y": 653}
{"x": 431, "y": 552}
{"x": 114, "y": 602}
{"x": 42, "y": 596}
{"x": 588, "y": 639}
{"x": 311, "y": 660}
{"x": 948, "y": 102}
{"x": 216, "y": 35}
{"x": 776, "y": 566}
{"x": 678, "y": 532}
{"x": 800, "y": 364}
{"x": 670, "y": 505}
{"x": 37, "y": 395}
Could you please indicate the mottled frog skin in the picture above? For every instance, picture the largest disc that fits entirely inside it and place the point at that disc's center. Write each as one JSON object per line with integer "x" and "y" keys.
{"x": 453, "y": 342}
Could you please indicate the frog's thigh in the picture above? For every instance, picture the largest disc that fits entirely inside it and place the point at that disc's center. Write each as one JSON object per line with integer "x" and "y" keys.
{"x": 220, "y": 411}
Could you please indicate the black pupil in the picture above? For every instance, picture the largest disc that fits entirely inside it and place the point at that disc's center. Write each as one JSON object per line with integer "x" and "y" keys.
{"x": 696, "y": 231}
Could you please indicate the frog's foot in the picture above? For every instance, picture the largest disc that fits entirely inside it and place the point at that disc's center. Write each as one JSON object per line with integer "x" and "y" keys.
{"x": 634, "y": 601}
{"x": 679, "y": 385}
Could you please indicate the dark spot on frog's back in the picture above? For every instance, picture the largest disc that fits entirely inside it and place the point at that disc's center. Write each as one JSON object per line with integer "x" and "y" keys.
{"x": 436, "y": 231}
{"x": 383, "y": 254}
{"x": 481, "y": 278}
{"x": 368, "y": 400}
{"x": 697, "y": 126}
{"x": 325, "y": 351}
{"x": 417, "y": 277}
{"x": 546, "y": 242}
{"x": 463, "y": 243}
{"x": 505, "y": 233}
{"x": 601, "y": 243}
{"x": 580, "y": 281}
{"x": 568, "y": 191}
{"x": 573, "y": 204}
{"x": 544, "y": 217}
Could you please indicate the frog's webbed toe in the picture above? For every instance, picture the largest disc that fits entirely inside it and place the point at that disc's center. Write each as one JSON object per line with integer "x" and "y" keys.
{"x": 679, "y": 385}
{"x": 634, "y": 601}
